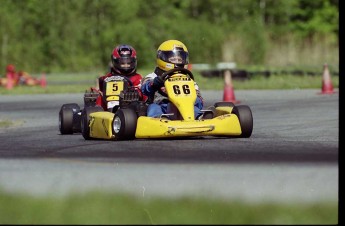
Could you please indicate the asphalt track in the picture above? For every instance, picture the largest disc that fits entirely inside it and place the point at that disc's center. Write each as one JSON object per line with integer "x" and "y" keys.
{"x": 292, "y": 154}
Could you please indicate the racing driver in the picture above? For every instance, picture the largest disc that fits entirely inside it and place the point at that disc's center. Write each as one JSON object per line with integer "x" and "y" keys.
{"x": 170, "y": 54}
{"x": 124, "y": 64}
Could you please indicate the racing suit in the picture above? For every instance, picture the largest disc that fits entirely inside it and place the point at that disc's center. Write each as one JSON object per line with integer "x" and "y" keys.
{"x": 158, "y": 103}
{"x": 135, "y": 78}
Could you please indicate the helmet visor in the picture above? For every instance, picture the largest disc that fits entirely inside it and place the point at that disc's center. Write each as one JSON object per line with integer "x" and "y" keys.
{"x": 174, "y": 57}
{"x": 125, "y": 62}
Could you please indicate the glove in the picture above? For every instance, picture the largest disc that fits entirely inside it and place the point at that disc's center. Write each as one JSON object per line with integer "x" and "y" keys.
{"x": 157, "y": 83}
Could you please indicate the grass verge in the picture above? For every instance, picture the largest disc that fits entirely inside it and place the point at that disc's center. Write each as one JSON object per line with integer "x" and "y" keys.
{"x": 117, "y": 208}
{"x": 5, "y": 123}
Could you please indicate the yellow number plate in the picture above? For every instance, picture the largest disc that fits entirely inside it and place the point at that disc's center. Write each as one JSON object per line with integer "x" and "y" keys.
{"x": 114, "y": 88}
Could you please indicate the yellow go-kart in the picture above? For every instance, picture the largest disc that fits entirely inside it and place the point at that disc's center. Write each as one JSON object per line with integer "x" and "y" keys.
{"x": 128, "y": 122}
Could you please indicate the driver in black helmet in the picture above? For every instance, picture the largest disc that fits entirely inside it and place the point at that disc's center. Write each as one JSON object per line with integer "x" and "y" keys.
{"x": 124, "y": 63}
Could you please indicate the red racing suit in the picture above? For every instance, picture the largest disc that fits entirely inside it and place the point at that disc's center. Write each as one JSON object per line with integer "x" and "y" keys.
{"x": 135, "y": 78}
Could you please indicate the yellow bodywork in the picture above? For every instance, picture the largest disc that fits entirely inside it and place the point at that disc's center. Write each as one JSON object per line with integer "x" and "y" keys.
{"x": 147, "y": 127}
{"x": 101, "y": 125}
{"x": 224, "y": 125}
{"x": 182, "y": 94}
{"x": 223, "y": 110}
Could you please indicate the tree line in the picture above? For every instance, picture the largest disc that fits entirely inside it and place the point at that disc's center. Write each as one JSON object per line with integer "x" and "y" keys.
{"x": 79, "y": 35}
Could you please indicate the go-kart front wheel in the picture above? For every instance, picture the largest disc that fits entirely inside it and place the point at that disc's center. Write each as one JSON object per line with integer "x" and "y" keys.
{"x": 85, "y": 120}
{"x": 245, "y": 116}
{"x": 125, "y": 124}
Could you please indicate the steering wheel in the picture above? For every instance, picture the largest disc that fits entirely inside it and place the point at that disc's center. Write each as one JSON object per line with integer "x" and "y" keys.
{"x": 170, "y": 73}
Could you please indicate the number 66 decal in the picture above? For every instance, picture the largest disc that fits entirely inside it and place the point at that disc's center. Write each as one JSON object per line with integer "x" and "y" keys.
{"x": 185, "y": 89}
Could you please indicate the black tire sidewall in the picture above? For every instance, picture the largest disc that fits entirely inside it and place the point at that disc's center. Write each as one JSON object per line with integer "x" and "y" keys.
{"x": 71, "y": 105}
{"x": 128, "y": 118}
{"x": 85, "y": 119}
{"x": 66, "y": 121}
{"x": 245, "y": 117}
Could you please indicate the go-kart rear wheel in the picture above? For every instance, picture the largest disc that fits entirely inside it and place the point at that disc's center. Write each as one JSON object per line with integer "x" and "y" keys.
{"x": 69, "y": 120}
{"x": 66, "y": 120}
{"x": 71, "y": 105}
{"x": 245, "y": 116}
{"x": 85, "y": 120}
{"x": 125, "y": 124}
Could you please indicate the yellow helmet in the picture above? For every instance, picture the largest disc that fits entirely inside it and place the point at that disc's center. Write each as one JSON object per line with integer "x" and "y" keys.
{"x": 172, "y": 54}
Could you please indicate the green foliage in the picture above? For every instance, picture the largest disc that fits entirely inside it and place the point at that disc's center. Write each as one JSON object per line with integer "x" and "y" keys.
{"x": 79, "y": 35}
{"x": 313, "y": 17}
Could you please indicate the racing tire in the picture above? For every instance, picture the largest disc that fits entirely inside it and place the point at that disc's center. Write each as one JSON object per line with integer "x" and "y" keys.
{"x": 71, "y": 105}
{"x": 245, "y": 117}
{"x": 125, "y": 124}
{"x": 224, "y": 104}
{"x": 66, "y": 126}
{"x": 85, "y": 120}
{"x": 66, "y": 121}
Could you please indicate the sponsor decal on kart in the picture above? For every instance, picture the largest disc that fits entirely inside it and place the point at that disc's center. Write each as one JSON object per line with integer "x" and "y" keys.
{"x": 114, "y": 78}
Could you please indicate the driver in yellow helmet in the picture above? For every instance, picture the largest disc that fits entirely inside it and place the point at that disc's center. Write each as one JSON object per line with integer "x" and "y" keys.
{"x": 170, "y": 54}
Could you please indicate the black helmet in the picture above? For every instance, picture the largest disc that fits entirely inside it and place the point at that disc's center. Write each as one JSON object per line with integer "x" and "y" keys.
{"x": 124, "y": 59}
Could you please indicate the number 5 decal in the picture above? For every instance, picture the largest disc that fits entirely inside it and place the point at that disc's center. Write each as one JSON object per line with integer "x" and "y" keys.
{"x": 115, "y": 87}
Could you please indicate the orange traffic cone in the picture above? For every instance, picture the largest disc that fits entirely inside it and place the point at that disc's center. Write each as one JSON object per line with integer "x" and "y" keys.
{"x": 327, "y": 87}
{"x": 43, "y": 81}
{"x": 10, "y": 82}
{"x": 229, "y": 94}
